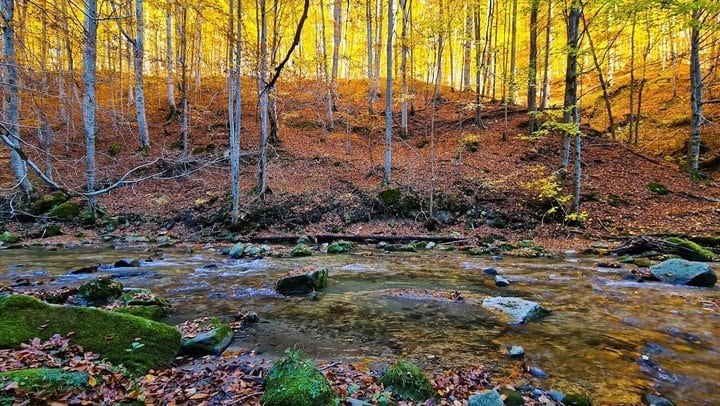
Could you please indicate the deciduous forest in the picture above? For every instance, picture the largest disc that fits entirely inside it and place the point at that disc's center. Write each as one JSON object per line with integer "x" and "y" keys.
{"x": 376, "y": 161}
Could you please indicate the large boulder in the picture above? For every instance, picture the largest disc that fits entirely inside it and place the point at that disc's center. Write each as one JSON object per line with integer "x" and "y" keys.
{"x": 135, "y": 342}
{"x": 519, "y": 310}
{"x": 406, "y": 381}
{"x": 293, "y": 380}
{"x": 303, "y": 283}
{"x": 681, "y": 272}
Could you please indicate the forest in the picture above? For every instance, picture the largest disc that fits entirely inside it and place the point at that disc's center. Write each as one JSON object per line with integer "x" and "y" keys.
{"x": 302, "y": 140}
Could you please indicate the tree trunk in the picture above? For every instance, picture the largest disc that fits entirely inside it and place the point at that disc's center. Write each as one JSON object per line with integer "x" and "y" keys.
{"x": 169, "y": 60}
{"x": 601, "y": 78}
{"x": 197, "y": 50}
{"x": 513, "y": 53}
{"x": 372, "y": 90}
{"x": 389, "y": 94}
{"x": 696, "y": 93}
{"x": 532, "y": 66}
{"x": 631, "y": 115}
{"x": 545, "y": 98}
{"x": 572, "y": 115}
{"x": 467, "y": 48}
{"x": 403, "y": 69}
{"x": 478, "y": 67}
{"x": 263, "y": 103}
{"x": 89, "y": 102}
{"x": 337, "y": 36}
{"x": 234, "y": 106}
{"x": 139, "y": 45}
{"x": 11, "y": 93}
{"x": 184, "y": 113}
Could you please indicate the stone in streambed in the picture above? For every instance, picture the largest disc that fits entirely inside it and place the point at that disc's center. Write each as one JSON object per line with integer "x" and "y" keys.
{"x": 519, "y": 310}
{"x": 516, "y": 352}
{"x": 501, "y": 282}
{"x": 212, "y": 342}
{"x": 656, "y": 400}
{"x": 486, "y": 398}
{"x": 682, "y": 272}
{"x": 303, "y": 283}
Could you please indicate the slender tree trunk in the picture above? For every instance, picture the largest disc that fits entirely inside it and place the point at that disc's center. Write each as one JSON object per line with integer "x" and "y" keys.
{"x": 389, "y": 94}
{"x": 478, "y": 67}
{"x": 438, "y": 60}
{"x": 403, "y": 69}
{"x": 89, "y": 102}
{"x": 11, "y": 93}
{"x": 487, "y": 50}
{"x": 570, "y": 108}
{"x": 169, "y": 60}
{"x": 139, "y": 45}
{"x": 513, "y": 53}
{"x": 185, "y": 112}
{"x": 264, "y": 105}
{"x": 372, "y": 90}
{"x": 197, "y": 50}
{"x": 601, "y": 78}
{"x": 696, "y": 93}
{"x": 631, "y": 115}
{"x": 532, "y": 66}
{"x": 646, "y": 53}
{"x": 337, "y": 36}
{"x": 467, "y": 48}
{"x": 545, "y": 97}
{"x": 234, "y": 105}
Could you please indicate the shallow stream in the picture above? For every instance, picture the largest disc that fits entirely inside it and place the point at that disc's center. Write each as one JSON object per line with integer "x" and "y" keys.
{"x": 610, "y": 339}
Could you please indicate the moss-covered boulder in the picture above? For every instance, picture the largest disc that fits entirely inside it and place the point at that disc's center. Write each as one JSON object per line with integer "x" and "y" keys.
{"x": 98, "y": 292}
{"x": 512, "y": 397}
{"x": 294, "y": 381}
{"x": 242, "y": 250}
{"x": 46, "y": 202}
{"x": 390, "y": 196}
{"x": 142, "y": 297}
{"x": 303, "y": 283}
{"x": 211, "y": 342}
{"x": 681, "y": 272}
{"x": 65, "y": 211}
{"x": 147, "y": 312}
{"x": 413, "y": 246}
{"x": 135, "y": 342}
{"x": 340, "y": 247}
{"x": 301, "y": 250}
{"x": 51, "y": 380}
{"x": 573, "y": 399}
{"x": 406, "y": 381}
{"x": 9, "y": 238}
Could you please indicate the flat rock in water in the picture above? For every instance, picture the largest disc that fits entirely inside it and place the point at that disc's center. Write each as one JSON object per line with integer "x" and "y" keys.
{"x": 520, "y": 310}
{"x": 486, "y": 398}
{"x": 302, "y": 284}
{"x": 516, "y": 352}
{"x": 212, "y": 342}
{"x": 656, "y": 400}
{"x": 126, "y": 263}
{"x": 682, "y": 272}
{"x": 501, "y": 282}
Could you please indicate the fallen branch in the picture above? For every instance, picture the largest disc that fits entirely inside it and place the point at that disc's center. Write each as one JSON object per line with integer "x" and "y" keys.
{"x": 323, "y": 238}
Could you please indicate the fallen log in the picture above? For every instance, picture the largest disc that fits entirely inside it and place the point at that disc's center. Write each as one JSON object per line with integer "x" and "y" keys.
{"x": 327, "y": 238}
{"x": 673, "y": 246}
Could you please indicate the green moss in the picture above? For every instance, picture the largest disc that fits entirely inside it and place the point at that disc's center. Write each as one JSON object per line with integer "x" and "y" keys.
{"x": 135, "y": 342}
{"x": 304, "y": 283}
{"x": 46, "y": 202}
{"x": 142, "y": 297}
{"x": 212, "y": 342}
{"x": 44, "y": 379}
{"x": 100, "y": 291}
{"x": 701, "y": 254}
{"x": 146, "y": 312}
{"x": 294, "y": 381}
{"x": 642, "y": 262}
{"x": 301, "y": 250}
{"x": 390, "y": 196}
{"x": 408, "y": 382}
{"x": 65, "y": 211}
{"x": 658, "y": 188}
{"x": 51, "y": 230}
{"x": 340, "y": 247}
{"x": 574, "y": 399}
{"x": 512, "y": 398}
{"x": 9, "y": 238}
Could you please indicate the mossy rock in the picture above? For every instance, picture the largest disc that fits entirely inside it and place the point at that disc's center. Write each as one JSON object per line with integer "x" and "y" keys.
{"x": 137, "y": 343}
{"x": 512, "y": 398}
{"x": 242, "y": 250}
{"x": 390, "y": 196}
{"x": 304, "y": 283}
{"x": 51, "y": 230}
{"x": 658, "y": 188}
{"x": 301, "y": 250}
{"x": 413, "y": 246}
{"x": 99, "y": 292}
{"x": 700, "y": 253}
{"x": 294, "y": 381}
{"x": 340, "y": 247}
{"x": 65, "y": 211}
{"x": 642, "y": 262}
{"x": 51, "y": 380}
{"x": 46, "y": 202}
{"x": 147, "y": 312}
{"x": 212, "y": 342}
{"x": 406, "y": 381}
{"x": 9, "y": 238}
{"x": 574, "y": 399}
{"x": 142, "y": 297}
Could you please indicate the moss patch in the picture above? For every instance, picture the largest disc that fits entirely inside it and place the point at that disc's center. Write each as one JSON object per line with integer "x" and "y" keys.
{"x": 100, "y": 291}
{"x": 301, "y": 250}
{"x": 576, "y": 400}
{"x": 408, "y": 382}
{"x": 340, "y": 247}
{"x": 44, "y": 379}
{"x": 9, "y": 238}
{"x": 135, "y": 342}
{"x": 701, "y": 254}
{"x": 294, "y": 381}
{"x": 65, "y": 211}
{"x": 48, "y": 201}
{"x": 512, "y": 398}
{"x": 146, "y": 312}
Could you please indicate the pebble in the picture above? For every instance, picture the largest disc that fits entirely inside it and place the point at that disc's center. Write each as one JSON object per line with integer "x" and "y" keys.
{"x": 501, "y": 282}
{"x": 516, "y": 352}
{"x": 538, "y": 373}
{"x": 657, "y": 400}
{"x": 490, "y": 271}
{"x": 556, "y": 395}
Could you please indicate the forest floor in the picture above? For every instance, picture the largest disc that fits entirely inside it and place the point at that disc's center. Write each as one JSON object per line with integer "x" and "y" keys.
{"x": 328, "y": 182}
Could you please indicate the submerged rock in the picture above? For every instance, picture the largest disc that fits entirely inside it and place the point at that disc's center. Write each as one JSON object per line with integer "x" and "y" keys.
{"x": 538, "y": 373}
{"x": 501, "y": 282}
{"x": 573, "y": 399}
{"x": 135, "y": 342}
{"x": 656, "y": 400}
{"x": 520, "y": 310}
{"x": 516, "y": 352}
{"x": 126, "y": 263}
{"x": 293, "y": 380}
{"x": 304, "y": 283}
{"x": 489, "y": 397}
{"x": 406, "y": 381}
{"x": 512, "y": 398}
{"x": 683, "y": 272}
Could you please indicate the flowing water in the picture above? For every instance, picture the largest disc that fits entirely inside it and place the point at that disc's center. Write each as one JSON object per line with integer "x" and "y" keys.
{"x": 605, "y": 337}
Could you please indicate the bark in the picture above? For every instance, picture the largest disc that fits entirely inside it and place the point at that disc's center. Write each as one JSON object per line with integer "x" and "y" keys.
{"x": 139, "y": 45}
{"x": 234, "y": 106}
{"x": 389, "y": 95}
{"x": 601, "y": 78}
{"x": 372, "y": 90}
{"x": 532, "y": 66}
{"x": 403, "y": 69}
{"x": 11, "y": 93}
{"x": 631, "y": 115}
{"x": 696, "y": 93}
{"x": 513, "y": 53}
{"x": 337, "y": 36}
{"x": 263, "y": 102}
{"x": 478, "y": 67}
{"x": 467, "y": 48}
{"x": 571, "y": 112}
{"x": 184, "y": 112}
{"x": 545, "y": 97}
{"x": 169, "y": 60}
{"x": 89, "y": 101}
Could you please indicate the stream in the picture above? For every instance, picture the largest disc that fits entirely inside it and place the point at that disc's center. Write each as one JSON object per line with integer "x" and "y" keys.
{"x": 605, "y": 337}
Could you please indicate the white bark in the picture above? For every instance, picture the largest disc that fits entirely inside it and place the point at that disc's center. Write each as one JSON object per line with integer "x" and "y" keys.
{"x": 389, "y": 94}
{"x": 139, "y": 48}
{"x": 234, "y": 107}
{"x": 696, "y": 94}
{"x": 89, "y": 102}
{"x": 264, "y": 103}
{"x": 11, "y": 96}
{"x": 170, "y": 58}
